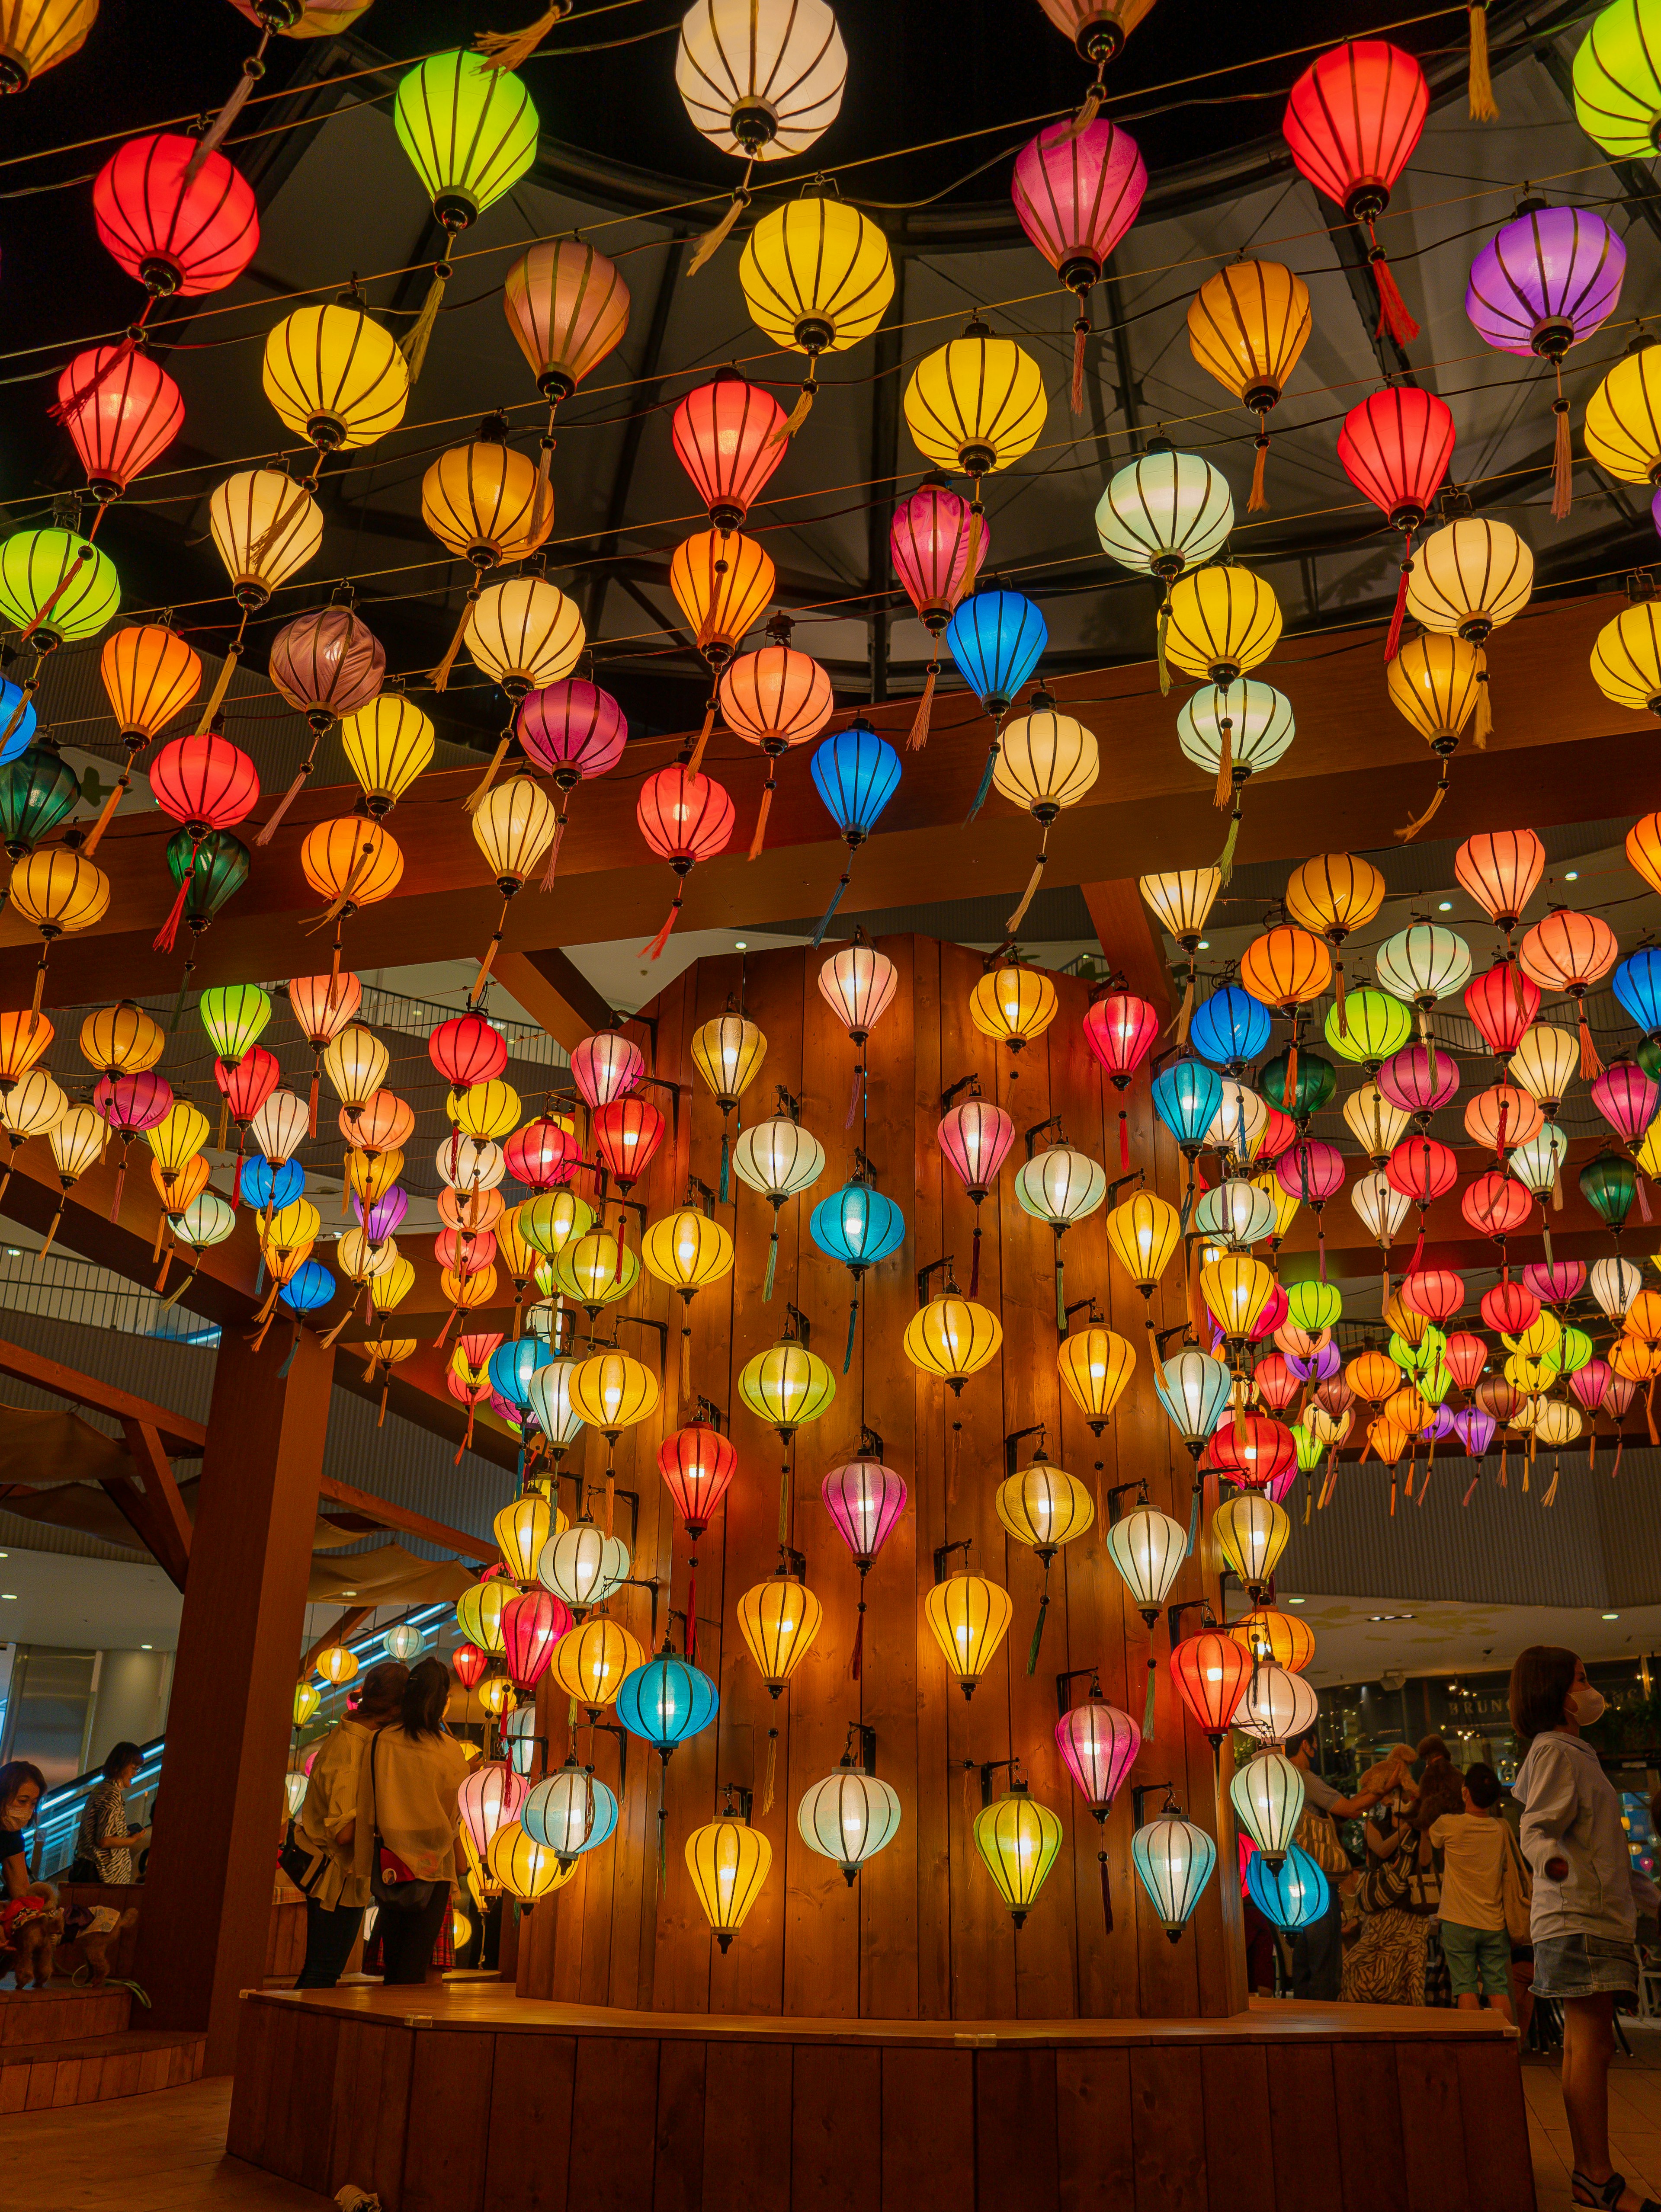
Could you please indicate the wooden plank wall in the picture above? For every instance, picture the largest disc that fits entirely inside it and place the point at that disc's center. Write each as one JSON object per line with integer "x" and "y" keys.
{"x": 433, "y": 2119}
{"x": 923, "y": 1933}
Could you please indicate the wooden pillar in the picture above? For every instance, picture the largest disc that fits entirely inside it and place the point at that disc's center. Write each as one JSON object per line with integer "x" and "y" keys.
{"x": 208, "y": 1896}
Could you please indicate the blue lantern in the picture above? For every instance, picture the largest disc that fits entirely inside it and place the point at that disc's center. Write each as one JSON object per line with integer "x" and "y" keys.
{"x": 996, "y": 638}
{"x": 1230, "y": 1028}
{"x": 1636, "y": 984}
{"x": 856, "y": 773}
{"x": 1291, "y": 1896}
{"x": 21, "y": 730}
{"x": 569, "y": 1814}
{"x": 859, "y": 1226}
{"x": 510, "y": 1370}
{"x": 311, "y": 1286}
{"x": 270, "y": 1188}
{"x": 1186, "y": 1097}
{"x": 666, "y": 1701}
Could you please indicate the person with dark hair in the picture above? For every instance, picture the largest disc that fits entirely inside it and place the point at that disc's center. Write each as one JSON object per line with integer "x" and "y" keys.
{"x": 1393, "y": 1960}
{"x": 317, "y": 1853}
{"x": 1476, "y": 1849}
{"x": 21, "y": 1787}
{"x": 1318, "y": 1951}
{"x": 104, "y": 1839}
{"x": 407, "y": 1840}
{"x": 1581, "y": 1918}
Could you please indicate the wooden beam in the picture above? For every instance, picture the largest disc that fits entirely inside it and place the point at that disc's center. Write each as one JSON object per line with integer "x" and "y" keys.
{"x": 414, "y": 1524}
{"x": 354, "y": 1617}
{"x": 554, "y": 991}
{"x": 153, "y": 1505}
{"x": 1129, "y": 937}
{"x": 87, "y": 1390}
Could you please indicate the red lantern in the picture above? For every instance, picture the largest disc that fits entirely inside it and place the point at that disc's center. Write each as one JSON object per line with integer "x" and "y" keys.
{"x": 1277, "y": 1386}
{"x": 605, "y": 1065}
{"x": 531, "y": 1624}
{"x": 1495, "y": 1204}
{"x": 466, "y": 1050}
{"x": 1279, "y": 1131}
{"x": 464, "y": 1251}
{"x": 1252, "y": 1451}
{"x": 1570, "y": 951}
{"x": 1211, "y": 1672}
{"x": 122, "y": 411}
{"x": 1120, "y": 1030}
{"x": 1436, "y": 1292}
{"x": 1590, "y": 1383}
{"x": 697, "y": 1464}
{"x": 684, "y": 818}
{"x": 929, "y": 540}
{"x": 246, "y": 1087}
{"x": 1499, "y": 868}
{"x": 1277, "y": 1306}
{"x": 1352, "y": 121}
{"x": 175, "y": 237}
{"x": 205, "y": 782}
{"x": 468, "y": 1664}
{"x": 541, "y": 1154}
{"x": 627, "y": 1134}
{"x": 1395, "y": 448}
{"x": 1510, "y": 1308}
{"x": 726, "y": 437}
{"x": 1464, "y": 1356}
{"x": 1422, "y": 1170}
{"x": 1502, "y": 1003}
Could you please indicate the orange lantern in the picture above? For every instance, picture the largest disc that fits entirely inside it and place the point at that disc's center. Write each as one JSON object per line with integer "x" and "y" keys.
{"x": 722, "y": 582}
{"x": 1285, "y": 968}
{"x": 774, "y": 698}
{"x": 353, "y": 864}
{"x": 1569, "y": 951}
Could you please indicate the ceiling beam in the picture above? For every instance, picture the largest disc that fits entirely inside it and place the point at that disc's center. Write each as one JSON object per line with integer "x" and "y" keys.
{"x": 1126, "y": 933}
{"x": 412, "y": 1524}
{"x": 554, "y": 991}
{"x": 80, "y": 1390}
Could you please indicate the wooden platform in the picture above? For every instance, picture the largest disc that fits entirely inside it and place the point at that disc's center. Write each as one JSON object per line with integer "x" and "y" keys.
{"x": 95, "y": 2068}
{"x": 471, "y": 2097}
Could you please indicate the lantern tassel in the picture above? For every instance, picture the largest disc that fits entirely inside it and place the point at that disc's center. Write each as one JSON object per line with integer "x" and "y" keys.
{"x": 1589, "y": 1063}
{"x": 921, "y": 719}
{"x": 1257, "y": 502}
{"x": 510, "y": 49}
{"x": 712, "y": 240}
{"x": 1482, "y": 106}
{"x": 1482, "y": 727}
{"x": 1076, "y": 390}
{"x": 853, "y": 1318}
{"x": 1031, "y": 892}
{"x": 161, "y": 1232}
{"x": 1644, "y": 1200}
{"x": 1393, "y": 640}
{"x": 772, "y": 1263}
{"x": 1037, "y": 1632}
{"x": 847, "y": 877}
{"x": 1147, "y": 1708}
{"x": 164, "y": 937}
{"x": 1193, "y": 1520}
{"x": 1551, "y": 1487}
{"x": 1419, "y": 820}
{"x": 1185, "y": 1011}
{"x": 1620, "y": 1446}
{"x": 1563, "y": 457}
{"x": 803, "y": 408}
{"x": 53, "y": 596}
{"x": 1649, "y": 1415}
{"x": 986, "y": 784}
{"x": 976, "y": 545}
{"x": 1470, "y": 1488}
{"x": 1393, "y": 316}
{"x": 1223, "y": 791}
{"x": 440, "y": 677}
{"x": 859, "y": 1645}
{"x": 211, "y": 139}
{"x": 338, "y": 1326}
{"x": 270, "y": 828}
{"x": 475, "y": 797}
{"x": 695, "y": 762}
{"x": 1226, "y": 858}
{"x": 1161, "y": 625}
{"x": 547, "y": 882}
{"x": 1077, "y": 125}
{"x": 1107, "y": 1895}
{"x": 772, "y": 1771}
{"x": 1124, "y": 1142}
{"x": 650, "y": 951}
{"x": 118, "y": 792}
{"x": 120, "y": 1185}
{"x": 316, "y": 1080}
{"x": 416, "y": 340}
{"x": 975, "y": 1256}
{"x": 767, "y": 790}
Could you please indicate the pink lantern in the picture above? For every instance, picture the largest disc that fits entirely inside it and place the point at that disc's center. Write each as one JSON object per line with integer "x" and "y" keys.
{"x": 122, "y": 411}
{"x": 572, "y": 731}
{"x": 864, "y": 1499}
{"x": 1589, "y": 1384}
{"x": 1618, "y": 1394}
{"x": 1558, "y": 1284}
{"x": 541, "y": 1154}
{"x": 1313, "y": 1171}
{"x": 531, "y": 1624}
{"x": 976, "y": 1138}
{"x": 1417, "y": 1082}
{"x": 1076, "y": 194}
{"x": 1098, "y": 1745}
{"x": 929, "y": 540}
{"x": 1626, "y": 1099}
{"x": 488, "y": 1798}
{"x": 129, "y": 1103}
{"x": 1120, "y": 1030}
{"x": 606, "y": 1067}
{"x": 1273, "y": 1316}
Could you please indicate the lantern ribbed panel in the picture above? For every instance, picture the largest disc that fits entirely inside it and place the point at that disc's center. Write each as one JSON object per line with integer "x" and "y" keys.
{"x": 1166, "y": 508}
{"x": 1099, "y": 28}
{"x": 976, "y": 1138}
{"x": 1395, "y": 447}
{"x": 1262, "y": 727}
{"x": 976, "y": 403}
{"x": 607, "y": 1065}
{"x": 1061, "y": 1185}
{"x": 1285, "y": 967}
{"x": 37, "y": 35}
{"x": 683, "y": 816}
{"x": 1148, "y": 1548}
{"x": 122, "y": 412}
{"x": 761, "y": 77}
{"x": 1493, "y": 1205}
{"x": 1546, "y": 281}
{"x": 1045, "y": 761}
{"x": 1417, "y": 1082}
{"x": 1422, "y": 1170}
{"x": 265, "y": 529}
{"x": 722, "y": 583}
{"x": 1143, "y": 1233}
{"x": 1120, "y": 1030}
{"x": 859, "y": 983}
{"x": 568, "y": 307}
{"x": 666, "y": 1701}
{"x": 572, "y": 729}
{"x": 1247, "y": 326}
{"x": 348, "y": 855}
{"x": 1076, "y": 194}
{"x": 1354, "y": 118}
{"x": 849, "y": 1817}
{"x": 1223, "y": 621}
{"x": 34, "y": 563}
{"x": 726, "y": 437}
{"x": 996, "y": 638}
{"x": 952, "y": 1337}
{"x": 1018, "y": 1839}
{"x": 1182, "y": 898}
{"x": 778, "y": 1158}
{"x": 1626, "y": 659}
{"x": 335, "y": 376}
{"x": 857, "y": 1225}
{"x": 1423, "y": 963}
{"x": 627, "y": 1132}
{"x": 131, "y": 1104}
{"x": 1433, "y": 683}
{"x": 469, "y": 129}
{"x": 176, "y": 238}
{"x": 855, "y": 773}
{"x": 1617, "y": 79}
{"x": 864, "y": 1499}
{"x": 775, "y": 697}
{"x": 524, "y": 634}
{"x": 205, "y": 782}
{"x": 149, "y": 674}
{"x": 328, "y": 663}
{"x": 1211, "y": 1671}
{"x": 928, "y": 541}
{"x": 1568, "y": 952}
{"x": 815, "y": 269}
{"x": 387, "y": 744}
{"x": 1470, "y": 576}
{"x": 486, "y": 503}
{"x": 1013, "y": 1004}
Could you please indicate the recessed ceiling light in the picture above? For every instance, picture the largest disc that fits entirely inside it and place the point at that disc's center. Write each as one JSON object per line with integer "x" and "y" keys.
{"x": 1296, "y": 1601}
{"x": 1571, "y": 875}
{"x": 14, "y": 1251}
{"x": 1445, "y": 907}
{"x": 147, "y": 1647}
{"x": 1205, "y": 945}
{"x": 1389, "y": 1616}
{"x": 1611, "y": 1616}
{"x": 740, "y": 945}
{"x": 8, "y": 1596}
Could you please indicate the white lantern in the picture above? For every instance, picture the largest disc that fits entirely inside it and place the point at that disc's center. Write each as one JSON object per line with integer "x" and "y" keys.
{"x": 1235, "y": 1213}
{"x": 548, "y": 1390}
{"x": 1261, "y": 726}
{"x": 1277, "y": 1705}
{"x": 1537, "y": 1164}
{"x": 569, "y": 1814}
{"x": 1173, "y": 1859}
{"x": 778, "y": 1158}
{"x": 294, "y": 1786}
{"x": 1164, "y": 512}
{"x": 1614, "y": 1284}
{"x": 471, "y": 1162}
{"x": 404, "y": 1643}
{"x": 761, "y": 78}
{"x": 281, "y": 1126}
{"x": 581, "y": 1567}
{"x": 1061, "y": 1185}
{"x": 519, "y": 1737}
{"x": 1381, "y": 1207}
{"x": 1193, "y": 1389}
{"x": 849, "y": 1817}
{"x": 1268, "y": 1792}
{"x": 1240, "y": 1123}
{"x": 1148, "y": 1549}
{"x": 1376, "y": 1125}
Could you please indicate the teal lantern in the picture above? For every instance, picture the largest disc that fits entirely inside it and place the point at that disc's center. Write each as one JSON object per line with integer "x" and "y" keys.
{"x": 666, "y": 1701}
{"x": 859, "y": 1226}
{"x": 1290, "y": 1896}
{"x": 1609, "y": 1186}
{"x": 1186, "y": 1097}
{"x": 37, "y": 791}
{"x": 216, "y": 869}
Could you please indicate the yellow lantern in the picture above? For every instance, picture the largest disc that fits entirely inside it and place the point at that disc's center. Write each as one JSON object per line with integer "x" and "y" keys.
{"x": 778, "y": 1620}
{"x": 387, "y": 744}
{"x": 521, "y": 1530}
{"x": 1018, "y": 1839}
{"x": 1251, "y": 1532}
{"x": 370, "y": 1176}
{"x": 1469, "y": 577}
{"x": 968, "y": 1617}
{"x": 728, "y": 1862}
{"x": 336, "y": 1664}
{"x": 1246, "y": 326}
{"x": 952, "y": 1338}
{"x": 1334, "y": 894}
{"x": 1143, "y": 1234}
{"x": 307, "y": 1699}
{"x": 1285, "y": 1202}
{"x": 59, "y": 891}
{"x": 524, "y": 634}
{"x": 816, "y": 276}
{"x": 591, "y": 1660}
{"x": 553, "y": 1219}
{"x": 181, "y": 1186}
{"x": 1376, "y": 1125}
{"x": 686, "y": 1251}
{"x": 525, "y": 1870}
{"x": 1626, "y": 659}
{"x": 727, "y": 1052}
{"x": 1223, "y": 621}
{"x": 497, "y": 1695}
{"x": 355, "y": 1062}
{"x": 1279, "y": 1637}
{"x": 1434, "y": 683}
{"x": 1546, "y": 1061}
{"x": 484, "y": 502}
{"x": 78, "y": 1140}
{"x": 121, "y": 1040}
{"x": 23, "y": 1039}
{"x": 1236, "y": 1289}
{"x": 335, "y": 376}
{"x": 1623, "y": 419}
{"x": 265, "y": 529}
{"x": 723, "y": 583}
{"x": 37, "y": 35}
{"x": 1013, "y": 1004}
{"x": 1043, "y": 1507}
{"x": 514, "y": 826}
{"x": 484, "y": 1110}
{"x": 787, "y": 1386}
{"x": 1044, "y": 762}
{"x": 479, "y": 1614}
{"x": 1096, "y": 1365}
{"x": 610, "y": 1392}
{"x": 596, "y": 1272}
{"x": 175, "y": 1140}
{"x": 976, "y": 404}
{"x": 352, "y": 864}
{"x": 389, "y": 1288}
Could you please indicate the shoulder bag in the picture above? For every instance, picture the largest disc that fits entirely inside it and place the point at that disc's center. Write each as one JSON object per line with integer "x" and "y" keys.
{"x": 1318, "y": 1834}
{"x": 390, "y": 1883}
{"x": 1516, "y": 1887}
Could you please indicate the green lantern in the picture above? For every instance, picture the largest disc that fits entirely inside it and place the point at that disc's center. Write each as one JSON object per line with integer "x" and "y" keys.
{"x": 1617, "y": 88}
{"x": 1418, "y": 1359}
{"x": 216, "y": 868}
{"x": 59, "y": 581}
{"x": 37, "y": 791}
{"x": 1376, "y": 1026}
{"x": 470, "y": 130}
{"x": 1314, "y": 1306}
{"x": 1316, "y": 1087}
{"x": 1574, "y": 1348}
{"x": 234, "y": 1016}
{"x": 1608, "y": 1184}
{"x": 1647, "y": 1053}
{"x": 1309, "y": 1448}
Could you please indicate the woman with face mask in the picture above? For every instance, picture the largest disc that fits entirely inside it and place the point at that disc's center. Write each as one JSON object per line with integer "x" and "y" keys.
{"x": 1581, "y": 1919}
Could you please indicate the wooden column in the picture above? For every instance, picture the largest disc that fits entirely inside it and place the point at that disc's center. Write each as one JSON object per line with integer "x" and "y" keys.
{"x": 207, "y": 1897}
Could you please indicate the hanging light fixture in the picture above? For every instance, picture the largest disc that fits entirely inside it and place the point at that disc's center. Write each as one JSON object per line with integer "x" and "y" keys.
{"x": 968, "y": 1617}
{"x": 1251, "y": 1532}
{"x": 1268, "y": 1796}
{"x": 1077, "y": 191}
{"x": 1335, "y": 894}
{"x": 928, "y": 541}
{"x": 858, "y": 1225}
{"x": 855, "y": 773}
{"x": 1471, "y": 577}
{"x": 779, "y": 1158}
{"x": 775, "y": 698}
{"x": 684, "y": 818}
{"x": 778, "y": 1620}
{"x": 976, "y": 1138}
{"x": 1231, "y": 735}
{"x": 1285, "y": 968}
{"x": 1173, "y": 1859}
{"x": 687, "y": 1250}
{"x": 1013, "y": 1004}
{"x": 1163, "y": 512}
{"x": 1143, "y": 1234}
{"x": 57, "y": 891}
{"x": 816, "y": 275}
{"x": 728, "y": 1860}
{"x": 36, "y": 35}
{"x": 1352, "y": 122}
{"x": 726, "y": 437}
{"x": 336, "y": 378}
{"x": 1181, "y": 900}
{"x": 975, "y": 404}
{"x": 1060, "y": 1185}
{"x": 1569, "y": 952}
{"x": 1018, "y": 1839}
{"x": 996, "y": 638}
{"x": 1211, "y": 1671}
{"x": 571, "y": 1813}
{"x": 1120, "y": 1029}
{"x": 1045, "y": 762}
{"x": 950, "y": 1337}
{"x": 567, "y": 307}
{"x": 849, "y": 1817}
{"x": 1395, "y": 447}
{"x": 1247, "y": 326}
{"x": 1420, "y": 965}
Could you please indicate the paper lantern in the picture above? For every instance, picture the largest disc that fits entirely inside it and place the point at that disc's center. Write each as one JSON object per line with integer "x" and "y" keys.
{"x": 762, "y": 81}
{"x": 1099, "y": 1744}
{"x": 1247, "y": 326}
{"x": 1352, "y": 122}
{"x": 1621, "y": 425}
{"x": 264, "y": 530}
{"x": 929, "y": 540}
{"x": 122, "y": 412}
{"x": 728, "y": 1860}
{"x": 469, "y": 130}
{"x": 336, "y": 377}
{"x": 1569, "y": 952}
{"x": 1471, "y": 576}
{"x": 1077, "y": 192}
{"x": 1434, "y": 683}
{"x": 571, "y": 1813}
{"x": 968, "y": 1617}
{"x": 1164, "y": 512}
{"x": 591, "y": 1662}
{"x": 55, "y": 586}
{"x": 858, "y": 983}
{"x": 816, "y": 276}
{"x": 952, "y": 1337}
{"x": 181, "y": 219}
{"x": 775, "y": 697}
{"x": 1251, "y": 1532}
{"x": 37, "y": 35}
{"x": 581, "y": 1567}
{"x": 1044, "y": 760}
{"x": 1211, "y": 1671}
{"x": 568, "y": 307}
{"x": 1148, "y": 1548}
{"x": 697, "y": 1464}
{"x": 1096, "y": 1365}
{"x": 308, "y": 1697}
{"x": 778, "y": 1620}
{"x": 1502, "y": 1004}
{"x": 996, "y": 638}
{"x": 666, "y": 1701}
{"x": 1625, "y": 659}
{"x": 855, "y": 773}
{"x": 787, "y": 1386}
{"x": 1018, "y": 1839}
{"x": 1233, "y": 734}
{"x": 1276, "y": 1706}
{"x": 1268, "y": 1795}
{"x": 865, "y": 1500}
{"x": 484, "y": 502}
{"x": 684, "y": 818}
{"x": 976, "y": 403}
{"x": 1012, "y": 1004}
{"x": 1223, "y": 621}
{"x": 1173, "y": 1859}
{"x": 725, "y": 436}
{"x": 337, "y": 1664}
{"x": 849, "y": 1817}
{"x": 57, "y": 891}
{"x": 490, "y": 1795}
{"x": 524, "y": 634}
{"x": 521, "y": 1868}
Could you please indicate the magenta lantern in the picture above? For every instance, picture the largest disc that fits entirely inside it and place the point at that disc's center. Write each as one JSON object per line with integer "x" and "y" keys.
{"x": 488, "y": 1798}
{"x": 572, "y": 730}
{"x": 1313, "y": 1171}
{"x": 129, "y": 1103}
{"x": 864, "y": 1499}
{"x": 1626, "y": 1099}
{"x": 1098, "y": 1745}
{"x": 929, "y": 540}
{"x": 1591, "y": 1382}
{"x": 1076, "y": 194}
{"x": 1556, "y": 1285}
{"x": 531, "y": 1624}
{"x": 606, "y": 1067}
{"x": 1417, "y": 1082}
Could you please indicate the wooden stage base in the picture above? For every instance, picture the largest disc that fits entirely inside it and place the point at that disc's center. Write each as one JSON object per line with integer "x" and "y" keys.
{"x": 457, "y": 2098}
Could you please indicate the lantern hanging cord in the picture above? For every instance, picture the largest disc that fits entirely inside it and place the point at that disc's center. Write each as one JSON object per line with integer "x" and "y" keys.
{"x": 253, "y": 67}
{"x": 843, "y": 882}
{"x": 713, "y": 240}
{"x": 1033, "y": 883}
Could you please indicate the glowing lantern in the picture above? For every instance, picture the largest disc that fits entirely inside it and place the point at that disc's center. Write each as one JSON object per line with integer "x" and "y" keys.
{"x": 591, "y": 1663}
{"x": 775, "y": 698}
{"x": 1251, "y": 1531}
{"x": 1268, "y": 1795}
{"x": 1018, "y": 1839}
{"x": 568, "y": 307}
{"x": 816, "y": 276}
{"x": 337, "y": 1664}
{"x": 766, "y": 82}
{"x": 485, "y": 503}
{"x": 55, "y": 585}
{"x": 687, "y": 1250}
{"x": 666, "y": 1701}
{"x": 1211, "y": 1671}
{"x": 1232, "y": 738}
{"x": 121, "y": 410}
{"x": 1076, "y": 193}
{"x": 858, "y": 1226}
{"x": 1395, "y": 447}
{"x": 778, "y": 1620}
{"x": 976, "y": 403}
{"x": 1045, "y": 762}
{"x": 1098, "y": 1745}
{"x": 1544, "y": 1064}
{"x": 1247, "y": 326}
{"x": 697, "y": 1464}
{"x": 307, "y": 1699}
{"x": 787, "y": 1386}
{"x": 1472, "y": 576}
{"x": 684, "y": 818}
{"x": 728, "y": 1860}
{"x": 1163, "y": 513}
{"x": 1013, "y": 1004}
{"x": 1352, "y": 122}
{"x": 1420, "y": 964}
{"x": 265, "y": 529}
{"x": 489, "y": 1797}
{"x": 849, "y": 1817}
{"x": 336, "y": 377}
{"x": 779, "y": 1158}
{"x": 952, "y": 1337}
{"x": 57, "y": 891}
{"x": 996, "y": 638}
{"x": 725, "y": 436}
{"x": 571, "y": 1813}
{"x": 1569, "y": 952}
{"x": 929, "y": 540}
{"x": 523, "y": 633}
{"x": 1223, "y": 621}
{"x": 37, "y": 34}
{"x": 1173, "y": 1859}
{"x": 968, "y": 1617}
{"x": 469, "y": 128}
{"x": 179, "y": 218}
{"x": 1502, "y": 1002}
{"x": 1148, "y": 1548}
{"x": 1276, "y": 1706}
{"x": 1181, "y": 900}
{"x": 864, "y": 1499}
{"x": 1096, "y": 1365}
{"x": 976, "y": 1138}
{"x": 523, "y": 1868}
{"x": 855, "y": 773}
{"x": 579, "y": 1565}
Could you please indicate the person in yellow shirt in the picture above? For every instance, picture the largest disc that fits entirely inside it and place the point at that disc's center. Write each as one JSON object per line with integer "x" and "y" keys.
{"x": 407, "y": 1841}
{"x": 1474, "y": 1845}
{"x": 317, "y": 1853}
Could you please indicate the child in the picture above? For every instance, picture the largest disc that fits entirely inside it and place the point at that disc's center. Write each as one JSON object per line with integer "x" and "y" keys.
{"x": 1474, "y": 1939}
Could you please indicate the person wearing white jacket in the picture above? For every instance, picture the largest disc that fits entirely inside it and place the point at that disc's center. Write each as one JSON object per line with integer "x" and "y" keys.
{"x": 1581, "y": 1920}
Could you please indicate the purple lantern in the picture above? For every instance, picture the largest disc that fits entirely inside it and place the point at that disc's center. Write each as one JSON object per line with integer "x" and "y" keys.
{"x": 1075, "y": 197}
{"x": 573, "y": 730}
{"x": 1557, "y": 1283}
{"x": 327, "y": 664}
{"x": 864, "y": 1499}
{"x": 1418, "y": 1083}
{"x": 1540, "y": 285}
{"x": 1626, "y": 1099}
{"x": 384, "y": 1218}
{"x": 1321, "y": 1369}
{"x": 1474, "y": 1430}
